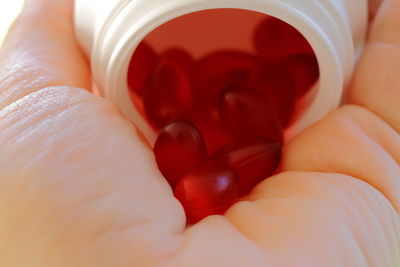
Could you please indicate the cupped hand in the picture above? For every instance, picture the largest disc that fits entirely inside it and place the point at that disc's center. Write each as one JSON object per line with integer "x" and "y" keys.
{"x": 79, "y": 187}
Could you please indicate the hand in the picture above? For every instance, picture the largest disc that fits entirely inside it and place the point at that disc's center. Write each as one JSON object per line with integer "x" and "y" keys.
{"x": 79, "y": 187}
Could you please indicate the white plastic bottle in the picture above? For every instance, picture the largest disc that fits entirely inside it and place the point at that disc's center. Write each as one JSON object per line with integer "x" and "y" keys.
{"x": 110, "y": 30}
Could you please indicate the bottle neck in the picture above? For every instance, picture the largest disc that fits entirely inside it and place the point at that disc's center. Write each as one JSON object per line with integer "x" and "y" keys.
{"x": 321, "y": 23}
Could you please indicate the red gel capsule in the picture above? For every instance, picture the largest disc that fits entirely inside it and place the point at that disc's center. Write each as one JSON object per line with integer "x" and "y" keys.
{"x": 304, "y": 70}
{"x": 275, "y": 39}
{"x": 209, "y": 189}
{"x": 170, "y": 94}
{"x": 253, "y": 160}
{"x": 143, "y": 62}
{"x": 180, "y": 56}
{"x": 244, "y": 112}
{"x": 273, "y": 81}
{"x": 179, "y": 147}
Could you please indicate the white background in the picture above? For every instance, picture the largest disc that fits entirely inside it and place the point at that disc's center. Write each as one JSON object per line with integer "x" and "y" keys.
{"x": 9, "y": 9}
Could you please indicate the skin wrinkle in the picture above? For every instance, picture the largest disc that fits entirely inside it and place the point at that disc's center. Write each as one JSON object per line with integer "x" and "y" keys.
{"x": 54, "y": 116}
{"x": 361, "y": 198}
{"x": 110, "y": 193}
{"x": 6, "y": 100}
{"x": 68, "y": 185}
{"x": 111, "y": 226}
{"x": 78, "y": 216}
{"x": 37, "y": 151}
{"x": 31, "y": 52}
{"x": 393, "y": 167}
{"x": 389, "y": 134}
{"x": 48, "y": 107}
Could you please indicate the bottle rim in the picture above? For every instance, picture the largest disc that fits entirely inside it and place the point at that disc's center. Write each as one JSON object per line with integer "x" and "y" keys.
{"x": 329, "y": 89}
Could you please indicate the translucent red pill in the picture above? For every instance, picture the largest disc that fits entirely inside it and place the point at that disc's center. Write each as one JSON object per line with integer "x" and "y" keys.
{"x": 211, "y": 74}
{"x": 219, "y": 69}
{"x": 253, "y": 159}
{"x": 206, "y": 190}
{"x": 169, "y": 95}
{"x": 179, "y": 148}
{"x": 245, "y": 112}
{"x": 143, "y": 63}
{"x": 275, "y": 39}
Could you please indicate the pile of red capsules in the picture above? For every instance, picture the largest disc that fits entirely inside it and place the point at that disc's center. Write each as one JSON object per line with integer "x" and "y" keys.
{"x": 221, "y": 118}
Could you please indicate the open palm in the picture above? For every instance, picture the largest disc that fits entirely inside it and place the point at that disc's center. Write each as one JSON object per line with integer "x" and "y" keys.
{"x": 79, "y": 187}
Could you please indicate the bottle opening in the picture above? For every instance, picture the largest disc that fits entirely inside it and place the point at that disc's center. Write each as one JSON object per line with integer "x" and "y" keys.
{"x": 230, "y": 72}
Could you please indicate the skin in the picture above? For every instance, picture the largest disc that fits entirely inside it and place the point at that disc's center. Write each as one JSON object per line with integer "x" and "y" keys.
{"x": 79, "y": 187}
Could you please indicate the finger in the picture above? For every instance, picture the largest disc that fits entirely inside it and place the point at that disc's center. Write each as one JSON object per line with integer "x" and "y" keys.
{"x": 376, "y": 84}
{"x": 41, "y": 51}
{"x": 354, "y": 142}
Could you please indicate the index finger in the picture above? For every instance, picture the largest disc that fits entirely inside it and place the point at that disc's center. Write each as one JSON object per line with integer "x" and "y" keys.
{"x": 41, "y": 51}
{"x": 376, "y": 84}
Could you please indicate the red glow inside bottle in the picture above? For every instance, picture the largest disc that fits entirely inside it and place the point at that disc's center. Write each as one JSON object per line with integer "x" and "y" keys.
{"x": 215, "y": 134}
{"x": 143, "y": 63}
{"x": 224, "y": 63}
{"x": 275, "y": 39}
{"x": 245, "y": 112}
{"x": 180, "y": 56}
{"x": 179, "y": 148}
